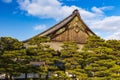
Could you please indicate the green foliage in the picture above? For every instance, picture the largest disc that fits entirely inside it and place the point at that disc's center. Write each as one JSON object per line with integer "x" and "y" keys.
{"x": 12, "y": 56}
{"x": 60, "y": 75}
{"x": 114, "y": 44}
{"x": 99, "y": 59}
{"x": 41, "y": 52}
{"x": 38, "y": 40}
{"x": 106, "y": 58}
{"x": 72, "y": 60}
{"x": 93, "y": 43}
{"x": 8, "y": 43}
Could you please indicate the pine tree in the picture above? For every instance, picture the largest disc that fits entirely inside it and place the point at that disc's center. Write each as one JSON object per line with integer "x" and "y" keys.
{"x": 41, "y": 52}
{"x": 104, "y": 58}
{"x": 71, "y": 59}
{"x": 12, "y": 57}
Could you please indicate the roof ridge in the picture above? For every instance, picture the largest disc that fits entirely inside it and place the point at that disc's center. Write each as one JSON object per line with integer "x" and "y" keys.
{"x": 75, "y": 11}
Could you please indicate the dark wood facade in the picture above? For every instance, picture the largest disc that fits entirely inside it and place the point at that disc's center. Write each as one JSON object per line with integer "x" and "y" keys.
{"x": 74, "y": 31}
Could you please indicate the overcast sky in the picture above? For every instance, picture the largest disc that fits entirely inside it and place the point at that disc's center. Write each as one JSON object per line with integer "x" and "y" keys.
{"x": 23, "y": 19}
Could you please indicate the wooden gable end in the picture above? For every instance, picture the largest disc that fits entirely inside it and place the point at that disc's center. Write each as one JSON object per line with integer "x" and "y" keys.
{"x": 72, "y": 28}
{"x": 74, "y": 31}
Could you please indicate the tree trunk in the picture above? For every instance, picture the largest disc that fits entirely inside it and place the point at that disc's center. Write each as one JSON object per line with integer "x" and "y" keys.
{"x": 26, "y": 76}
{"x": 6, "y": 77}
{"x": 11, "y": 77}
{"x": 40, "y": 76}
{"x": 47, "y": 76}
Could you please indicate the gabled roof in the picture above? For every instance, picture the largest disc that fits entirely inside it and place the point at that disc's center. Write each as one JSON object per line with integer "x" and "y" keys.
{"x": 62, "y": 23}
